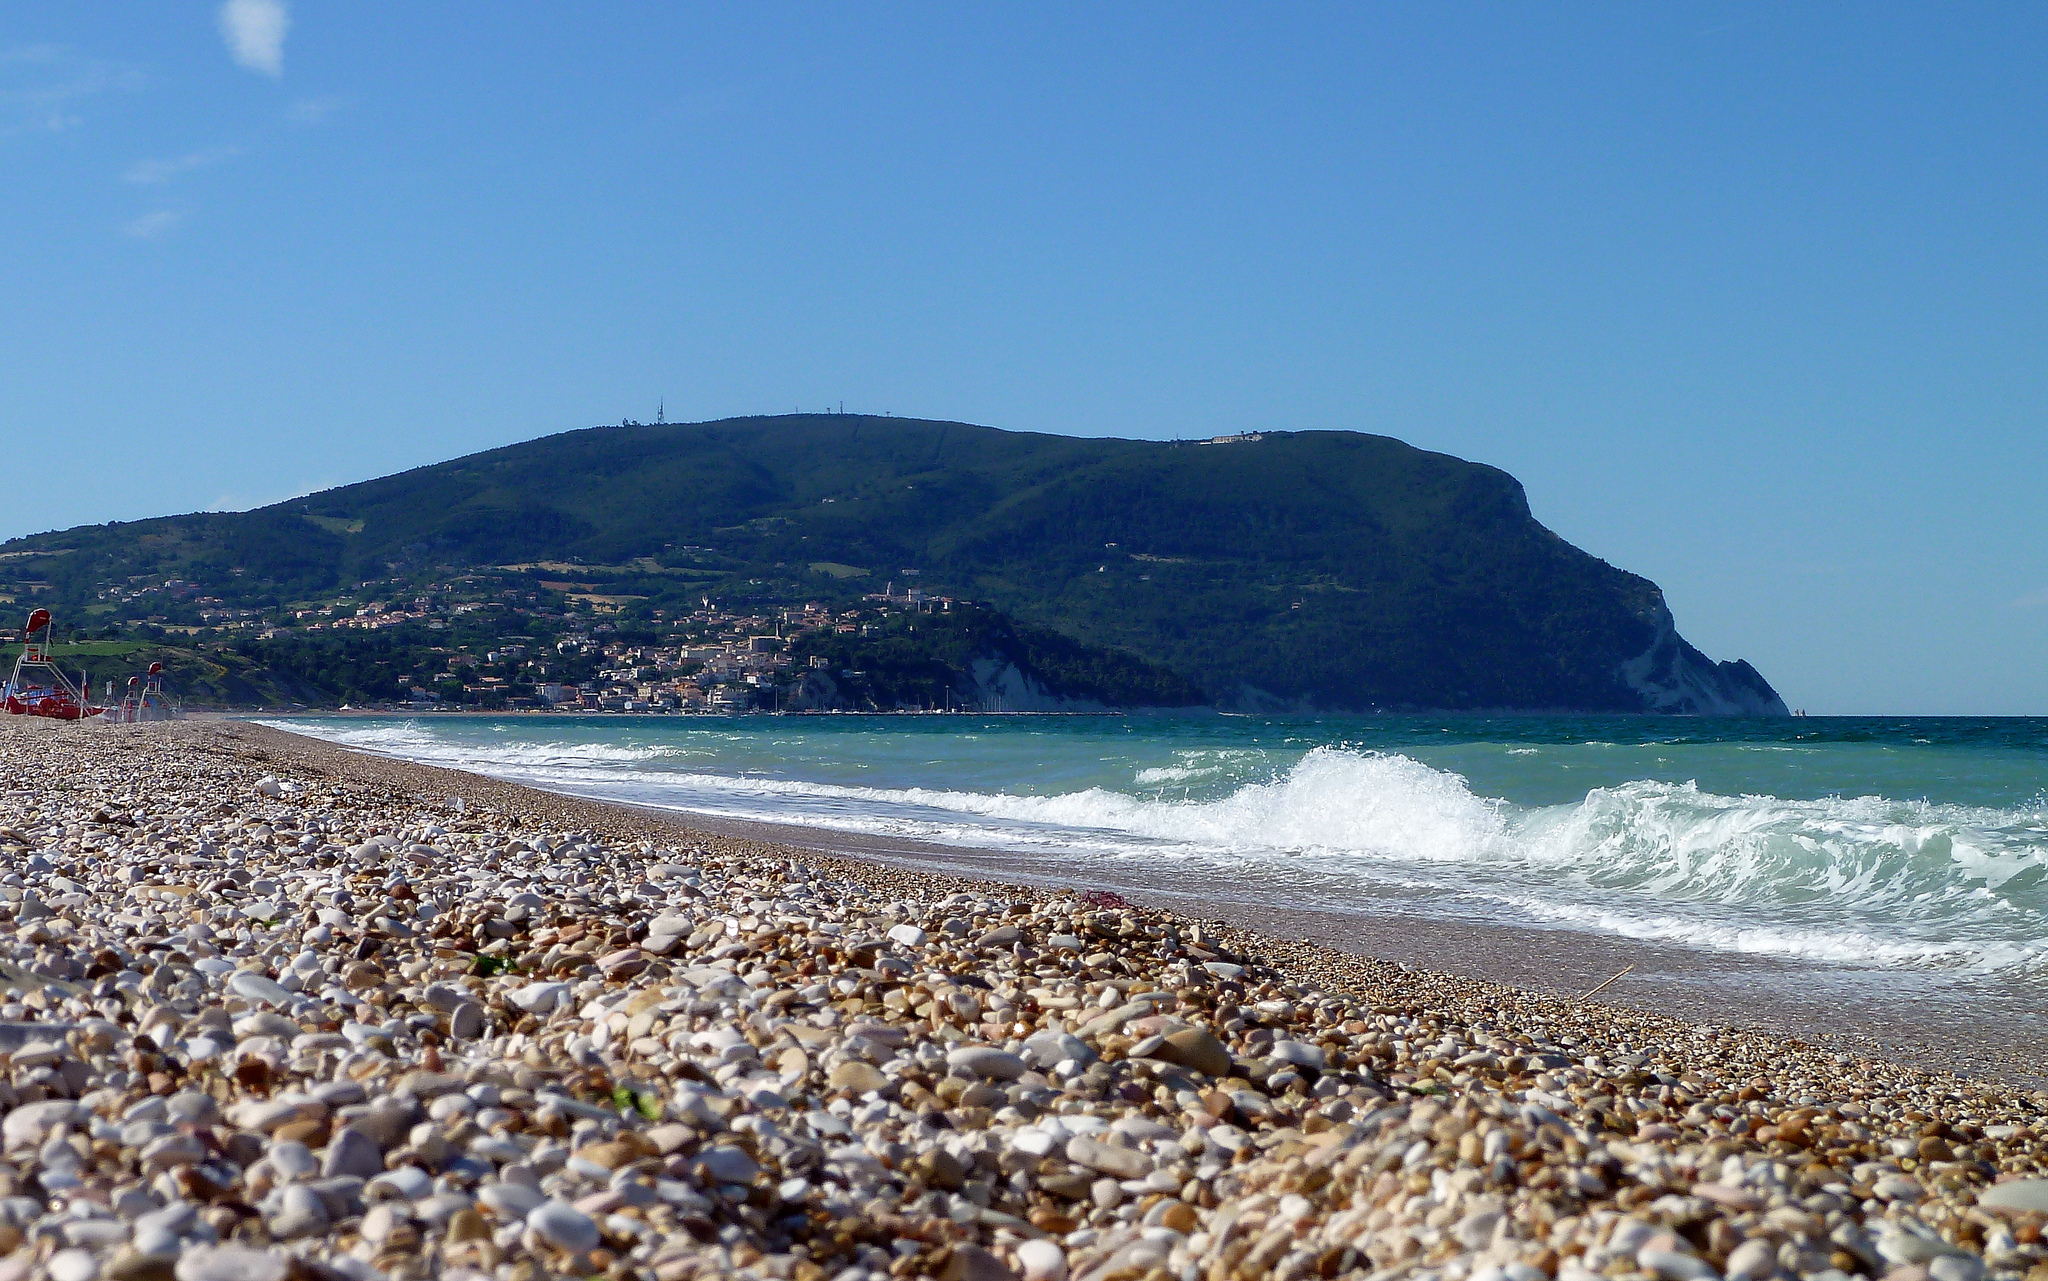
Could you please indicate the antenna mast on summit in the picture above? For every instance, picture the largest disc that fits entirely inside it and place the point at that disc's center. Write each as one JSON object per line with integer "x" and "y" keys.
{"x": 661, "y": 411}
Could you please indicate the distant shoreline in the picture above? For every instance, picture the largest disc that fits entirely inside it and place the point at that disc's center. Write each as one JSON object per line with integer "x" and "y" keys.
{"x": 1486, "y": 713}
{"x": 477, "y": 713}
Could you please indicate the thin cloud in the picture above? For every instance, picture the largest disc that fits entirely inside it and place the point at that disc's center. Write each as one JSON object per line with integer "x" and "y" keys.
{"x": 41, "y": 85}
{"x": 254, "y": 30}
{"x": 156, "y": 171}
{"x": 314, "y": 111}
{"x": 152, "y": 226}
{"x": 2035, "y": 599}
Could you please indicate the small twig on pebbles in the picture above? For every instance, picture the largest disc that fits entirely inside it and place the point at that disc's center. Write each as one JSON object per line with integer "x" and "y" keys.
{"x": 1596, "y": 991}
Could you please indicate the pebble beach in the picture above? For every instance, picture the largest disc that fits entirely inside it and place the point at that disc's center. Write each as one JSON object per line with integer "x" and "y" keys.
{"x": 277, "y": 1010}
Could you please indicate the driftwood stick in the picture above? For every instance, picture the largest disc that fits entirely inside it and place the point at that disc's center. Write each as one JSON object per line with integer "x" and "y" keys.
{"x": 1602, "y": 987}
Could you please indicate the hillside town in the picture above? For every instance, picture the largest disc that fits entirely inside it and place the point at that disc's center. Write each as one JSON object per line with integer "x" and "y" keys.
{"x": 696, "y": 633}
{"x": 479, "y": 642}
{"x": 712, "y": 660}
{"x": 721, "y": 663}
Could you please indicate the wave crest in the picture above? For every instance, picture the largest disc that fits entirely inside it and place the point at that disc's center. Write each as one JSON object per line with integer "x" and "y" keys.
{"x": 1859, "y": 879}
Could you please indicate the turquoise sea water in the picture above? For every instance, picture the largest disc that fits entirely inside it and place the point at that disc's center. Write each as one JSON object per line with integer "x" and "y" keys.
{"x": 1914, "y": 843}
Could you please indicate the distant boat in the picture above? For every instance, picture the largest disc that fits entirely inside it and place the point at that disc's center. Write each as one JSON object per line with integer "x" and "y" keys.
{"x": 38, "y": 687}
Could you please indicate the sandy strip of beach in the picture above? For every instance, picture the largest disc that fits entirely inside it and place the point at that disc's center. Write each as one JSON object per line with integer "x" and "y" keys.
{"x": 276, "y": 1009}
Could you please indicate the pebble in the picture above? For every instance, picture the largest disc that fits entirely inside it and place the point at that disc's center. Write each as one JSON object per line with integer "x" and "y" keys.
{"x": 563, "y": 1226}
{"x": 407, "y": 1182}
{"x": 729, "y": 1165}
{"x": 1753, "y": 1260}
{"x": 1123, "y": 1163}
{"x": 293, "y": 1159}
{"x": 1956, "y": 1267}
{"x": 2020, "y": 1194}
{"x": 857, "y": 1076}
{"x": 987, "y": 1061}
{"x": 538, "y": 998}
{"x": 29, "y": 1124}
{"x": 1300, "y": 1054}
{"x": 73, "y": 1265}
{"x": 1041, "y": 1260}
{"x": 230, "y": 1263}
{"x": 973, "y": 1263}
{"x": 351, "y": 1151}
{"x": 381, "y": 1223}
{"x": 1195, "y": 1048}
{"x": 258, "y": 987}
{"x": 1674, "y": 1266}
{"x": 302, "y": 1213}
{"x": 510, "y": 1202}
{"x": 1054, "y": 1046}
{"x": 466, "y": 1021}
{"x": 1734, "y": 1198}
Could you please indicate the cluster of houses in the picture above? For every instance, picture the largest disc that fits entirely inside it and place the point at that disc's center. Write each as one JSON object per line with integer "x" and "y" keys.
{"x": 371, "y": 616}
{"x": 713, "y": 660}
{"x": 737, "y": 663}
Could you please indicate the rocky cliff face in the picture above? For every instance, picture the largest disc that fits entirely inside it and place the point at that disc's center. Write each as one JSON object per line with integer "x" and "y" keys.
{"x": 989, "y": 683}
{"x": 1001, "y": 686}
{"x": 1673, "y": 677}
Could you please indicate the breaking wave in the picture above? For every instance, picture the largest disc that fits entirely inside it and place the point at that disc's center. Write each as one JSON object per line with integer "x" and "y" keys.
{"x": 1865, "y": 880}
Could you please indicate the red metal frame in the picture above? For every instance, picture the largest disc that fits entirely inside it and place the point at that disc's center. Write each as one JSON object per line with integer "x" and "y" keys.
{"x": 54, "y": 696}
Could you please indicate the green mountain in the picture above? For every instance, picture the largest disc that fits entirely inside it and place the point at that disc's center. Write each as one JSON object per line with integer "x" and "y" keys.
{"x": 1283, "y": 569}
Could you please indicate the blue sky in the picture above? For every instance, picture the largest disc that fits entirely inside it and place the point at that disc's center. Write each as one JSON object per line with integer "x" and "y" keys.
{"x": 1749, "y": 296}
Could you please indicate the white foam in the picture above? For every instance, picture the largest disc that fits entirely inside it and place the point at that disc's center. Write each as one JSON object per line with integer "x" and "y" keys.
{"x": 1864, "y": 880}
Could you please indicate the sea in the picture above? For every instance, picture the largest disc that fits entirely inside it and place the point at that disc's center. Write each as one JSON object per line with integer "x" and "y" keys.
{"x": 1901, "y": 845}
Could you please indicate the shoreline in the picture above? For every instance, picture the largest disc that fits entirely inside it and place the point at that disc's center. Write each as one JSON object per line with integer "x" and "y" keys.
{"x": 2001, "y": 1037}
{"x": 1978, "y": 1028}
{"x": 1488, "y": 953}
{"x": 345, "y": 713}
{"x": 333, "y": 1015}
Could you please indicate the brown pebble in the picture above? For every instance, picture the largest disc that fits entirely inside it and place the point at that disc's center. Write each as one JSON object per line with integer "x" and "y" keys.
{"x": 610, "y": 1155}
{"x": 467, "y": 1225}
{"x": 1197, "y": 1049}
{"x": 314, "y": 1134}
{"x": 130, "y": 1265}
{"x": 941, "y": 1169}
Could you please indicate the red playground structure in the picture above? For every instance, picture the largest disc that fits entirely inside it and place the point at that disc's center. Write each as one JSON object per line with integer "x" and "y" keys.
{"x": 37, "y": 687}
